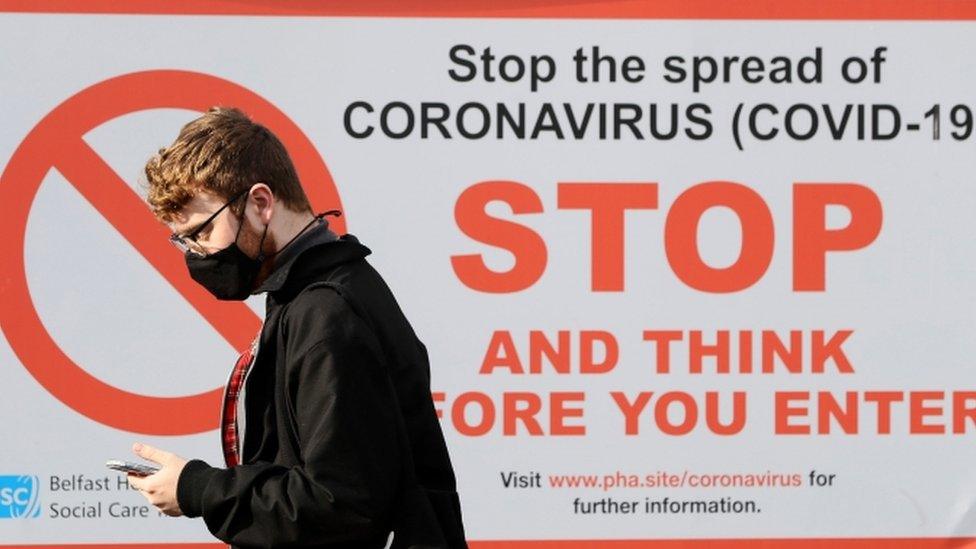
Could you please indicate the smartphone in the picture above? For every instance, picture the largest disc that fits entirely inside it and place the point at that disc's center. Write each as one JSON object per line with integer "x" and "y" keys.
{"x": 131, "y": 467}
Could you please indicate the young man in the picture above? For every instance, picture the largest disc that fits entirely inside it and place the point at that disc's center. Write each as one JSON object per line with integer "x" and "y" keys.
{"x": 329, "y": 433}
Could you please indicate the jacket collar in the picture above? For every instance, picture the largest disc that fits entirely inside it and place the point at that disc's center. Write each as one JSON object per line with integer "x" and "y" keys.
{"x": 313, "y": 254}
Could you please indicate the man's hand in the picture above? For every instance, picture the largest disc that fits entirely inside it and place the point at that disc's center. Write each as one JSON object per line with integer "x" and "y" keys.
{"x": 159, "y": 487}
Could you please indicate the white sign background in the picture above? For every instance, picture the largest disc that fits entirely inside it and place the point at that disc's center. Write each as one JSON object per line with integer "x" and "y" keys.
{"x": 908, "y": 296}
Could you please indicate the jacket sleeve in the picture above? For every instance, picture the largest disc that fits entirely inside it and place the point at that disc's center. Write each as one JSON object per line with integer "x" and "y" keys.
{"x": 344, "y": 409}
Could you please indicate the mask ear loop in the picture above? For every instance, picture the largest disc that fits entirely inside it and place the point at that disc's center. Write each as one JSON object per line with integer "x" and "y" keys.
{"x": 261, "y": 255}
{"x": 240, "y": 222}
{"x": 261, "y": 244}
{"x": 240, "y": 226}
{"x": 322, "y": 215}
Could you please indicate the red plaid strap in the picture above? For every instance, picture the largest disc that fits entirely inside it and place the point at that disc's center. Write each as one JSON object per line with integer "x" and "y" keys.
{"x": 228, "y": 428}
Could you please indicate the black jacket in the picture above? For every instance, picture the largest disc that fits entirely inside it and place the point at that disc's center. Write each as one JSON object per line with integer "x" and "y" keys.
{"x": 342, "y": 442}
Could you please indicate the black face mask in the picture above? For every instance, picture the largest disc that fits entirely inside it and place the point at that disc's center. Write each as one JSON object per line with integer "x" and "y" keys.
{"x": 228, "y": 274}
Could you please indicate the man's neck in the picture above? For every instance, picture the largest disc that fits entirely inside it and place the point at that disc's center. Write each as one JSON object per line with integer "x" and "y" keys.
{"x": 295, "y": 227}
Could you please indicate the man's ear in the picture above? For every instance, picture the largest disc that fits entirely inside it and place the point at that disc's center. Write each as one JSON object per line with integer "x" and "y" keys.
{"x": 264, "y": 200}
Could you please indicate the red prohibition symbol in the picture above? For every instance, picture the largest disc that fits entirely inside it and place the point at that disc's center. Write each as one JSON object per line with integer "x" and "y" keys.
{"x": 56, "y": 142}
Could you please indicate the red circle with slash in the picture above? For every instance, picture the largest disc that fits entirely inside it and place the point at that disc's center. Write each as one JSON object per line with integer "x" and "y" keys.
{"x": 57, "y": 142}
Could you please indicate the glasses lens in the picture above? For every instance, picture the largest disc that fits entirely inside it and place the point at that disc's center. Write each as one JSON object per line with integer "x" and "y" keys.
{"x": 186, "y": 245}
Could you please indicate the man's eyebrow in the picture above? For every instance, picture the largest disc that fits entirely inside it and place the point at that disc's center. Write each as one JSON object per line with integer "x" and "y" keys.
{"x": 188, "y": 228}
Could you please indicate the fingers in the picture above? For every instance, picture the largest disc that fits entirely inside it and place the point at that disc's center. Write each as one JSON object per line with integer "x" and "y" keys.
{"x": 157, "y": 488}
{"x": 142, "y": 483}
{"x": 148, "y": 493}
{"x": 138, "y": 482}
{"x": 149, "y": 452}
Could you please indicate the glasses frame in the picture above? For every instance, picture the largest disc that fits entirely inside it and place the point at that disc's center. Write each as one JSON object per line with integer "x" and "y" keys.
{"x": 181, "y": 241}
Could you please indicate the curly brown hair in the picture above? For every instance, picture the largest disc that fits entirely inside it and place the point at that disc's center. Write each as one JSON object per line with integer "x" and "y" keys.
{"x": 224, "y": 152}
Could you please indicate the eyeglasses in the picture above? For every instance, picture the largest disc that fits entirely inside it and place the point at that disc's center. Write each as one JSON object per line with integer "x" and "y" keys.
{"x": 188, "y": 242}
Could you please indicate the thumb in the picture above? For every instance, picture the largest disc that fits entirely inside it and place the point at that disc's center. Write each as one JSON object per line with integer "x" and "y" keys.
{"x": 148, "y": 452}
